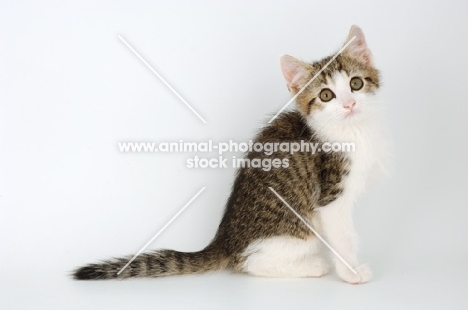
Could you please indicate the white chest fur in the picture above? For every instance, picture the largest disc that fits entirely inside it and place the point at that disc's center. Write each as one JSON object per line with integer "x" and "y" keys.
{"x": 365, "y": 157}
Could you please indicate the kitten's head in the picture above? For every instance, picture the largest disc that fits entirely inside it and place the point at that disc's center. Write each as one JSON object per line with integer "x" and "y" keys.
{"x": 342, "y": 93}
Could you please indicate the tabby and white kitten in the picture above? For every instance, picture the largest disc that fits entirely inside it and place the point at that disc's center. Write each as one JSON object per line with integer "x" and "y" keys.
{"x": 258, "y": 235}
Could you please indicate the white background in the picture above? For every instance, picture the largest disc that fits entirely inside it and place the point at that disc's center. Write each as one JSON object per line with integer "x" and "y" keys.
{"x": 70, "y": 90}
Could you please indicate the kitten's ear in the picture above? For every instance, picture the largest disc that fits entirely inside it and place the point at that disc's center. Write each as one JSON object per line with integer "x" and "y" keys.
{"x": 358, "y": 48}
{"x": 295, "y": 72}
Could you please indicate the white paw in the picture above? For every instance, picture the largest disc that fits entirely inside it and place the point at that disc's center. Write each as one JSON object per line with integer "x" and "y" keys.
{"x": 319, "y": 267}
{"x": 363, "y": 275}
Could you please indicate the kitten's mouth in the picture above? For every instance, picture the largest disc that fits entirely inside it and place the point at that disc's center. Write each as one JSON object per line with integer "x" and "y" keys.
{"x": 351, "y": 113}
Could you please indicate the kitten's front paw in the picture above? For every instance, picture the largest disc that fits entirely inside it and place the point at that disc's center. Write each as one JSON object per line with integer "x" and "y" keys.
{"x": 363, "y": 275}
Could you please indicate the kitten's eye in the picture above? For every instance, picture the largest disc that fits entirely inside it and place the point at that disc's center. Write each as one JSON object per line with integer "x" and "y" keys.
{"x": 326, "y": 95}
{"x": 356, "y": 83}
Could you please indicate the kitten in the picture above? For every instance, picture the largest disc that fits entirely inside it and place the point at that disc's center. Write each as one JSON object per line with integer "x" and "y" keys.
{"x": 258, "y": 234}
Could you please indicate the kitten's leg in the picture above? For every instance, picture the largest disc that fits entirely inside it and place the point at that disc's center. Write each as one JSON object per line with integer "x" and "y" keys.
{"x": 337, "y": 225}
{"x": 284, "y": 257}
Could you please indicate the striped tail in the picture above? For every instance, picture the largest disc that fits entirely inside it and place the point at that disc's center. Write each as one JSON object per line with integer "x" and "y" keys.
{"x": 156, "y": 264}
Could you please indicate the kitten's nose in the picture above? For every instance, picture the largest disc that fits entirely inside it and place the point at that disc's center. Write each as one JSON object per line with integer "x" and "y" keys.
{"x": 349, "y": 103}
